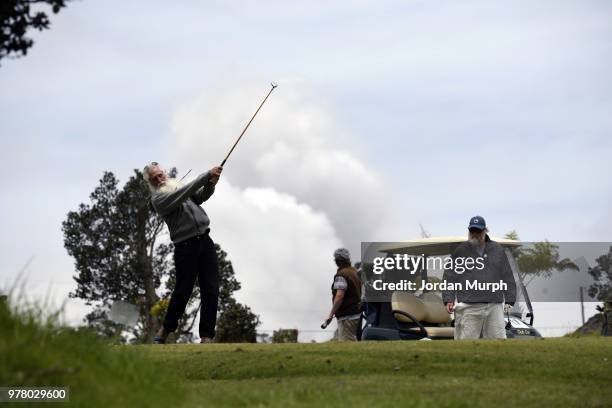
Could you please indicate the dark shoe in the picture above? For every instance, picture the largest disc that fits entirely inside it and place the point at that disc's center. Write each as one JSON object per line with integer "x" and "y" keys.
{"x": 159, "y": 340}
{"x": 206, "y": 340}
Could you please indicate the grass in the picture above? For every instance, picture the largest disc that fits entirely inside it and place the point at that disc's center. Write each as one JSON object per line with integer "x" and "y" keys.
{"x": 36, "y": 352}
{"x": 550, "y": 372}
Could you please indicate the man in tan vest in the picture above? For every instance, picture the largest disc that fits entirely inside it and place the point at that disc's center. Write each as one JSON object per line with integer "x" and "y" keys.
{"x": 346, "y": 297}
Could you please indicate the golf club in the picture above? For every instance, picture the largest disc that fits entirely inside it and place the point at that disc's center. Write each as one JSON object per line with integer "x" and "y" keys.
{"x": 273, "y": 85}
{"x": 508, "y": 324}
{"x": 185, "y": 175}
{"x": 326, "y": 323}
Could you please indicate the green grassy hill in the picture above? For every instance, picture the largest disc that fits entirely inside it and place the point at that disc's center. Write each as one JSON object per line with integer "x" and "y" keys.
{"x": 551, "y": 372}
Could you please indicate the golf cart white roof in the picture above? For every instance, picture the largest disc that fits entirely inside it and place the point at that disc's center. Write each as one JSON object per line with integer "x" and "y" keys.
{"x": 436, "y": 246}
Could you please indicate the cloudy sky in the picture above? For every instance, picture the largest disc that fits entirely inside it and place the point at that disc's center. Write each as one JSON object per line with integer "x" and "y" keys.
{"x": 388, "y": 114}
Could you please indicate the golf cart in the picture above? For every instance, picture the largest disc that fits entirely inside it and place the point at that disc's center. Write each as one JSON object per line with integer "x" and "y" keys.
{"x": 417, "y": 315}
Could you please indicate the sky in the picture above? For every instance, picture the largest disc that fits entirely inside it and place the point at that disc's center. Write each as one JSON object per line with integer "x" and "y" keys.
{"x": 388, "y": 114}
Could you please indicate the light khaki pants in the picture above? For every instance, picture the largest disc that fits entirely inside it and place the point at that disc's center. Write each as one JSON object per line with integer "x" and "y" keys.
{"x": 347, "y": 329}
{"x": 472, "y": 319}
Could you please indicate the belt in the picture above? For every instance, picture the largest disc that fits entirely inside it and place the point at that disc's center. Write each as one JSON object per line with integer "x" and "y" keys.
{"x": 194, "y": 238}
{"x": 199, "y": 236}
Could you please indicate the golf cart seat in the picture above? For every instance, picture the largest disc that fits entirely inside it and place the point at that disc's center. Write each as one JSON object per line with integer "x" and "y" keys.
{"x": 422, "y": 316}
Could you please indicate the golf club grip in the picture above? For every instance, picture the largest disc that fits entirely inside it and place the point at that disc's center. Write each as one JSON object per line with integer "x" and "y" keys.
{"x": 326, "y": 323}
{"x": 509, "y": 324}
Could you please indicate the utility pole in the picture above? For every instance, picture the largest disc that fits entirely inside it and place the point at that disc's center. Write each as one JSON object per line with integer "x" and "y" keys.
{"x": 424, "y": 234}
{"x": 582, "y": 303}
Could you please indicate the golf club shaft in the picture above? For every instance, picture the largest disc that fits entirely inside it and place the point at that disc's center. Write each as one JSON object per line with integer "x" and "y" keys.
{"x": 247, "y": 125}
{"x": 185, "y": 175}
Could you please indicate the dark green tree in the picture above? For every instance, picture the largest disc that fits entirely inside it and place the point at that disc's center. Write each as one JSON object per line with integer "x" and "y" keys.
{"x": 539, "y": 259}
{"x": 237, "y": 324}
{"x": 118, "y": 257}
{"x": 285, "y": 336}
{"x": 602, "y": 274}
{"x": 17, "y": 17}
{"x": 601, "y": 289}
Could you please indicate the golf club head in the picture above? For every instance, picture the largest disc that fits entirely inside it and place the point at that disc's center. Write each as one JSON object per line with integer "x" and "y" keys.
{"x": 273, "y": 84}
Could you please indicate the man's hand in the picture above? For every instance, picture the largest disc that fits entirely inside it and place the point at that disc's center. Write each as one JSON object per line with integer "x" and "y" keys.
{"x": 450, "y": 306}
{"x": 327, "y": 321}
{"x": 215, "y": 173}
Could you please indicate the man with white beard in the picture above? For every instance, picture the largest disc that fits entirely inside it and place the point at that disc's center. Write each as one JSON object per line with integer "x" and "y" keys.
{"x": 479, "y": 312}
{"x": 194, "y": 250}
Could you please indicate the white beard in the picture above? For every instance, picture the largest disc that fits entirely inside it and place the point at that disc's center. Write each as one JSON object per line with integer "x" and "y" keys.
{"x": 170, "y": 185}
{"x": 477, "y": 241}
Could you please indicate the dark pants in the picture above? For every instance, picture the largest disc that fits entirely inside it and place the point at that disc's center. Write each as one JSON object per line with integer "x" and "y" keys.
{"x": 193, "y": 258}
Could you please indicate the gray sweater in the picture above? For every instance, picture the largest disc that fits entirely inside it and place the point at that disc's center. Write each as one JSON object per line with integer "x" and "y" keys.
{"x": 181, "y": 209}
{"x": 496, "y": 268}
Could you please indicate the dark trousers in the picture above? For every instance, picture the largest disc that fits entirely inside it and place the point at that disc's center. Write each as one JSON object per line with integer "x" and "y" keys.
{"x": 193, "y": 258}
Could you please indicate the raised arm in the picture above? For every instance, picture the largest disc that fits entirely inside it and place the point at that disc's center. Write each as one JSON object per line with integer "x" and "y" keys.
{"x": 203, "y": 193}
{"x": 165, "y": 203}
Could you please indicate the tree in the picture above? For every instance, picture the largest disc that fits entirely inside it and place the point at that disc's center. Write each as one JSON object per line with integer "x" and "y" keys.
{"x": 602, "y": 274}
{"x": 120, "y": 256}
{"x": 237, "y": 324}
{"x": 228, "y": 284}
{"x": 601, "y": 289}
{"x": 541, "y": 259}
{"x": 512, "y": 235}
{"x": 114, "y": 242}
{"x": 16, "y": 17}
{"x": 285, "y": 336}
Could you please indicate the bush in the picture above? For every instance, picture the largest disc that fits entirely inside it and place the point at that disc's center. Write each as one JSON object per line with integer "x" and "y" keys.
{"x": 285, "y": 336}
{"x": 237, "y": 324}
